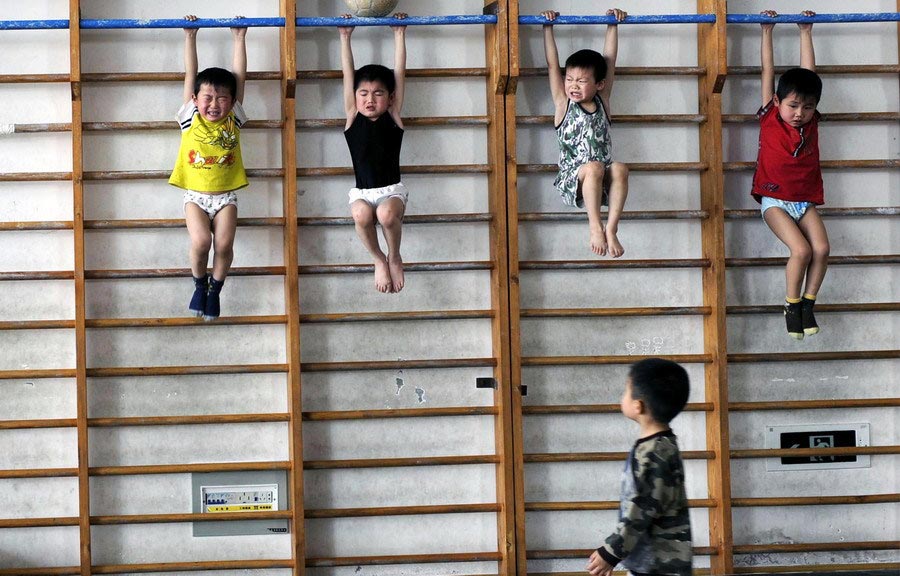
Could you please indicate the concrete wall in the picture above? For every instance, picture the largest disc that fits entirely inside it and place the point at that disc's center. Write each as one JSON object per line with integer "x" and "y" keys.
{"x": 669, "y": 45}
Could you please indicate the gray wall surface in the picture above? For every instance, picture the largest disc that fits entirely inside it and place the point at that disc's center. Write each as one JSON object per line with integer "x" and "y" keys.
{"x": 43, "y": 52}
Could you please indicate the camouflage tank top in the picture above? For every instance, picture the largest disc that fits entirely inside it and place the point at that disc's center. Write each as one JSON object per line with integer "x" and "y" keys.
{"x": 583, "y": 137}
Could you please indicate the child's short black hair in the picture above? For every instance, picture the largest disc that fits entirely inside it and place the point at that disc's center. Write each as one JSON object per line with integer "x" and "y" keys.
{"x": 375, "y": 73}
{"x": 218, "y": 78}
{"x": 805, "y": 83}
{"x": 589, "y": 60}
{"x": 662, "y": 385}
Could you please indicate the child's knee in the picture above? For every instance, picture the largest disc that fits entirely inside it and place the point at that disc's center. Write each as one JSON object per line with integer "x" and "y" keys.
{"x": 802, "y": 252}
{"x": 618, "y": 171}
{"x": 201, "y": 243}
{"x": 389, "y": 215}
{"x": 821, "y": 250}
{"x": 593, "y": 171}
{"x": 224, "y": 246}
{"x": 363, "y": 214}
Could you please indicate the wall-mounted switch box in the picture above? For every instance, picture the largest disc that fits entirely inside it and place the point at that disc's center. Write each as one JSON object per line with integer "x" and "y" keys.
{"x": 249, "y": 493}
{"x": 239, "y": 498}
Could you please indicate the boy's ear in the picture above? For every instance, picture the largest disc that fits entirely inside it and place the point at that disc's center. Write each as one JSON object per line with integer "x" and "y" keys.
{"x": 640, "y": 406}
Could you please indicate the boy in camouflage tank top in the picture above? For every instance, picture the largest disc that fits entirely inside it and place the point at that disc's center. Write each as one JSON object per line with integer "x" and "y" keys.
{"x": 653, "y": 534}
{"x": 587, "y": 176}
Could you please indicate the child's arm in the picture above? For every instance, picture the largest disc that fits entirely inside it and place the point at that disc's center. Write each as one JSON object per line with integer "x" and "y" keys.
{"x": 767, "y": 59}
{"x": 399, "y": 68}
{"x": 557, "y": 84}
{"x": 652, "y": 491}
{"x": 239, "y": 60}
{"x": 807, "y": 54}
{"x": 610, "y": 52}
{"x": 190, "y": 60}
{"x": 348, "y": 72}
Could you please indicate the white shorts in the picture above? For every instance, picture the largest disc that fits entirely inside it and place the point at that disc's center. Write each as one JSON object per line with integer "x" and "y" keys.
{"x": 210, "y": 203}
{"x": 375, "y": 196}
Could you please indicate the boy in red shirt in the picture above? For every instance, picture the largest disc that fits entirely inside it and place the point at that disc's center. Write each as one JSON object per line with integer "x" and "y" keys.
{"x": 788, "y": 179}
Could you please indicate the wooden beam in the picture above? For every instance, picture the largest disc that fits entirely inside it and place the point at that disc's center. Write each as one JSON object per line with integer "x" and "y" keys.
{"x": 711, "y": 56}
{"x": 496, "y": 39}
{"x": 404, "y": 559}
{"x": 477, "y": 459}
{"x": 293, "y": 383}
{"x": 81, "y": 395}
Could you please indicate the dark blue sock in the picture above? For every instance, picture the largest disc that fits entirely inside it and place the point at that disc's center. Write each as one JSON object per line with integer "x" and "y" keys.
{"x": 198, "y": 300}
{"x": 212, "y": 299}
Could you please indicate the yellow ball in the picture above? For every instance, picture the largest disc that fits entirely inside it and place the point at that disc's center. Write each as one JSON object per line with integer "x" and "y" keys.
{"x": 371, "y": 8}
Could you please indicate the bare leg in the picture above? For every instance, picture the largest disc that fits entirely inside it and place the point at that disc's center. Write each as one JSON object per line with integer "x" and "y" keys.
{"x": 790, "y": 234}
{"x": 618, "y": 192}
{"x": 224, "y": 226}
{"x": 814, "y": 230}
{"x": 590, "y": 177}
{"x": 201, "y": 238}
{"x": 390, "y": 216}
{"x": 364, "y": 218}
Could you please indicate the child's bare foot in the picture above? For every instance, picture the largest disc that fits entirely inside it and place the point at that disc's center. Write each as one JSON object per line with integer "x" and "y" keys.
{"x": 396, "y": 267}
{"x": 598, "y": 242}
{"x": 382, "y": 277}
{"x": 615, "y": 249}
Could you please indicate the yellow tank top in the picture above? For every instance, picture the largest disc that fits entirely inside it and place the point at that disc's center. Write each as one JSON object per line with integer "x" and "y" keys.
{"x": 209, "y": 159}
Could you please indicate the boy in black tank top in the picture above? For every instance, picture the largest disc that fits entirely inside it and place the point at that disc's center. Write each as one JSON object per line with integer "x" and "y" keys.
{"x": 373, "y": 97}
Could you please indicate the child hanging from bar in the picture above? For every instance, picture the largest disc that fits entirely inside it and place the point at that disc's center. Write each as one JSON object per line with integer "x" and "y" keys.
{"x": 788, "y": 179}
{"x": 373, "y": 98}
{"x": 209, "y": 166}
{"x": 588, "y": 177}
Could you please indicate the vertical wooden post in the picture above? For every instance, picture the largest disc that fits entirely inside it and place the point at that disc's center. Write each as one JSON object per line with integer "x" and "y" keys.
{"x": 84, "y": 479}
{"x": 711, "y": 54}
{"x": 497, "y": 63}
{"x": 288, "y": 42}
{"x": 514, "y": 304}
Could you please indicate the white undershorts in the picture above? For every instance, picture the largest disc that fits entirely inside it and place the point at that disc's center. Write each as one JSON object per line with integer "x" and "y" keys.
{"x": 210, "y": 203}
{"x": 375, "y": 196}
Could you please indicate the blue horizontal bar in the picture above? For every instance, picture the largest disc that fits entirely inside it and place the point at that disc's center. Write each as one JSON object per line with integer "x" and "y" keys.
{"x": 818, "y": 18}
{"x": 34, "y": 24}
{"x": 642, "y": 19}
{"x": 310, "y": 22}
{"x": 88, "y": 24}
{"x": 182, "y": 23}
{"x": 92, "y": 24}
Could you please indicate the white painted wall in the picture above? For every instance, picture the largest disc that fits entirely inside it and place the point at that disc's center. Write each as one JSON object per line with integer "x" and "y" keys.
{"x": 663, "y": 45}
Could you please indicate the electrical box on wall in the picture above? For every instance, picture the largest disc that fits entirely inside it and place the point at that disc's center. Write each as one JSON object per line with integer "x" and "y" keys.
{"x": 817, "y": 436}
{"x": 239, "y": 498}
{"x": 242, "y": 492}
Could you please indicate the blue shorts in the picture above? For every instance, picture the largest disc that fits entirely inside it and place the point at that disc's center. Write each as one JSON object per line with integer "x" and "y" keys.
{"x": 795, "y": 210}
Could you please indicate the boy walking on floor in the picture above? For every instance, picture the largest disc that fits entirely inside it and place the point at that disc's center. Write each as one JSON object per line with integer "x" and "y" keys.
{"x": 587, "y": 176}
{"x": 788, "y": 178}
{"x": 209, "y": 166}
{"x": 653, "y": 535}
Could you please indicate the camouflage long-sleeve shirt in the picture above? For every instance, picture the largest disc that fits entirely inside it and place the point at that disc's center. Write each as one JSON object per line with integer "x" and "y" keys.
{"x": 653, "y": 535}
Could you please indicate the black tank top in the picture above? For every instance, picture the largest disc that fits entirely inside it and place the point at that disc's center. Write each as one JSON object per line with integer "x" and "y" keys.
{"x": 375, "y": 150}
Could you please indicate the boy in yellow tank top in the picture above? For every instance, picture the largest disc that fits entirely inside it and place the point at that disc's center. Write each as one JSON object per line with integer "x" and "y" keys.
{"x": 209, "y": 166}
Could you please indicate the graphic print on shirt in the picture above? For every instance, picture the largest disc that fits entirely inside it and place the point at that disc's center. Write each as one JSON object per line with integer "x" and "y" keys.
{"x": 222, "y": 135}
